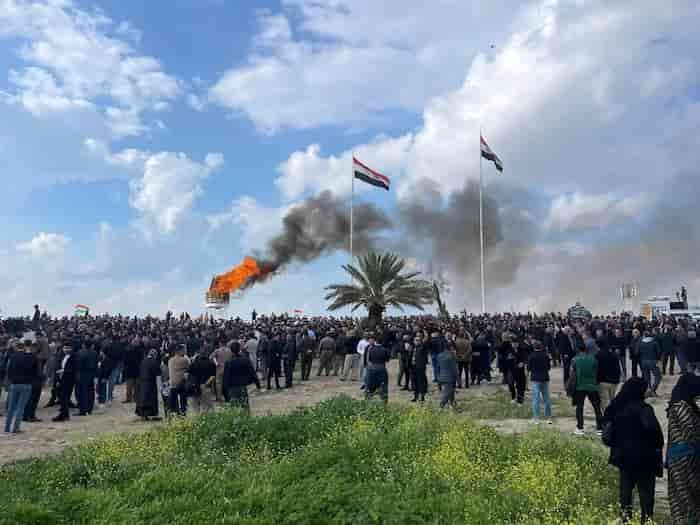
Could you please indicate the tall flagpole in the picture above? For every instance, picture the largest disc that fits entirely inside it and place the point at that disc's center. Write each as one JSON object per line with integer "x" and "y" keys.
{"x": 481, "y": 228}
{"x": 352, "y": 199}
{"x": 352, "y": 202}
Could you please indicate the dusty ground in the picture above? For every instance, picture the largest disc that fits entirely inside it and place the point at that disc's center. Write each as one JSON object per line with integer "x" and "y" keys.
{"x": 45, "y": 438}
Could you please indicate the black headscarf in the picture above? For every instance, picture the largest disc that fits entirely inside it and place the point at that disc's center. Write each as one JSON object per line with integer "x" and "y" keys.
{"x": 633, "y": 390}
{"x": 687, "y": 389}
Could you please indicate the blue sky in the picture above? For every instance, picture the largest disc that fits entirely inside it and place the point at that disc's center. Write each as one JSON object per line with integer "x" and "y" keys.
{"x": 145, "y": 146}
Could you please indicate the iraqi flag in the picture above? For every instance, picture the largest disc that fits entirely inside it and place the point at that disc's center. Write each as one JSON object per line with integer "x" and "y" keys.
{"x": 368, "y": 175}
{"x": 488, "y": 154}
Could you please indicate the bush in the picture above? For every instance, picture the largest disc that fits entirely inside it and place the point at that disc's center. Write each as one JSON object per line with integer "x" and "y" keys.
{"x": 341, "y": 462}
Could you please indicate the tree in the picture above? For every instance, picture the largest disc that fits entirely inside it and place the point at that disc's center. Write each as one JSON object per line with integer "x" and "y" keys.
{"x": 442, "y": 308}
{"x": 378, "y": 282}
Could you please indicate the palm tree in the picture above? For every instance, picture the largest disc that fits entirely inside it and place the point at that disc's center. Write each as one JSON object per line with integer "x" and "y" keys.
{"x": 378, "y": 283}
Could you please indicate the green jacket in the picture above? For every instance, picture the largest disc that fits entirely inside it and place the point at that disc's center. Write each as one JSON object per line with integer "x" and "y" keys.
{"x": 586, "y": 368}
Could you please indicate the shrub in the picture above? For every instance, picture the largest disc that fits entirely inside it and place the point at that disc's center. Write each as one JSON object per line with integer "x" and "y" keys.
{"x": 341, "y": 462}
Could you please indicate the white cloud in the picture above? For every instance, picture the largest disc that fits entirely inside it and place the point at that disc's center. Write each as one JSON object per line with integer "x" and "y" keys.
{"x": 38, "y": 92}
{"x": 579, "y": 212}
{"x": 352, "y": 61}
{"x": 45, "y": 244}
{"x": 164, "y": 185}
{"x": 77, "y": 57}
{"x": 170, "y": 184}
{"x": 559, "y": 100}
{"x": 258, "y": 223}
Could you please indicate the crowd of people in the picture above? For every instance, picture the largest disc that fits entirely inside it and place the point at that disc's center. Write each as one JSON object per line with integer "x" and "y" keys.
{"x": 178, "y": 362}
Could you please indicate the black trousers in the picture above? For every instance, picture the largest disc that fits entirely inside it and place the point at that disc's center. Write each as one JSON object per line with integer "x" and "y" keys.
{"x": 475, "y": 370}
{"x": 566, "y": 364}
{"x": 64, "y": 395}
{"x": 273, "y": 369}
{"x": 645, "y": 483}
{"x": 30, "y": 409}
{"x": 86, "y": 394}
{"x": 289, "y": 372}
{"x": 666, "y": 358}
{"x": 635, "y": 367}
{"x": 306, "y": 362}
{"x": 594, "y": 397}
{"x": 178, "y": 400}
{"x": 516, "y": 383}
{"x": 463, "y": 369}
{"x": 406, "y": 371}
{"x": 420, "y": 383}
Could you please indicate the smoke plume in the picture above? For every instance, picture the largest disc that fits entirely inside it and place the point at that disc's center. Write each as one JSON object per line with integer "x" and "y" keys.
{"x": 446, "y": 231}
{"x": 321, "y": 225}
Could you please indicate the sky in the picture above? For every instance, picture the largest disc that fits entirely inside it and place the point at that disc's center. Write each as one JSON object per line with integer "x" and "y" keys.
{"x": 147, "y": 146}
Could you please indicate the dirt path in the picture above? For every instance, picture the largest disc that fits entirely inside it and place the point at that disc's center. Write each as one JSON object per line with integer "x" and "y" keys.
{"x": 40, "y": 439}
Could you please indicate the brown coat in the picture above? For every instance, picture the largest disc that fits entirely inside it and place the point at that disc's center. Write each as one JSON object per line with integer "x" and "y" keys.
{"x": 177, "y": 367}
{"x": 463, "y": 349}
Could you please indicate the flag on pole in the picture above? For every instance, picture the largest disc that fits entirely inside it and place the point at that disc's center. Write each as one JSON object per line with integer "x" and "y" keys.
{"x": 488, "y": 154}
{"x": 368, "y": 175}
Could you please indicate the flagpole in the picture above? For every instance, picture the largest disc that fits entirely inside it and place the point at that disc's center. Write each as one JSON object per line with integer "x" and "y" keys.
{"x": 352, "y": 202}
{"x": 481, "y": 228}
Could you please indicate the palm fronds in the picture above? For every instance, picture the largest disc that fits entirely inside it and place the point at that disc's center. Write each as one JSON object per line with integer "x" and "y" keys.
{"x": 378, "y": 282}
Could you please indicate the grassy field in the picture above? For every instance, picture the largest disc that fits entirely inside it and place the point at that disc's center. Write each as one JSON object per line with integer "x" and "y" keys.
{"x": 497, "y": 405}
{"x": 341, "y": 462}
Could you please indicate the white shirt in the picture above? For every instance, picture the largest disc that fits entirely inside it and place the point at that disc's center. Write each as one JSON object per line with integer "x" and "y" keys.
{"x": 362, "y": 346}
{"x": 63, "y": 363}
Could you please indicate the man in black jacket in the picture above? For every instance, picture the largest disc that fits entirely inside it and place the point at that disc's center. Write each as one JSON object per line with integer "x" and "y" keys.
{"x": 67, "y": 376}
{"x": 289, "y": 356}
{"x": 608, "y": 376}
{"x": 567, "y": 350}
{"x": 202, "y": 374}
{"x": 377, "y": 376}
{"x": 37, "y": 382}
{"x": 420, "y": 362}
{"x": 86, "y": 368}
{"x": 132, "y": 365}
{"x": 21, "y": 373}
{"x": 618, "y": 345}
{"x": 238, "y": 374}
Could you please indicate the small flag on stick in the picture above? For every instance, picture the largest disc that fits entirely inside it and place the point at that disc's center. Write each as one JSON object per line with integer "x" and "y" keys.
{"x": 488, "y": 154}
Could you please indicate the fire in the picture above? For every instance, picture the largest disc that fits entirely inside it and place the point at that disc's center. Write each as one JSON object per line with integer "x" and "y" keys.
{"x": 245, "y": 274}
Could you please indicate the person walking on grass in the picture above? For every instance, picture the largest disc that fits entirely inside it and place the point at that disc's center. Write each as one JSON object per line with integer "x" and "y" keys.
{"x": 21, "y": 373}
{"x": 584, "y": 373}
{"x": 539, "y": 364}
{"x": 636, "y": 443}
{"x": 447, "y": 376}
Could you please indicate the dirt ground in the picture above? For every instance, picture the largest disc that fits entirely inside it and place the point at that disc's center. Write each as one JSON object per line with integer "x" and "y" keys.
{"x": 40, "y": 439}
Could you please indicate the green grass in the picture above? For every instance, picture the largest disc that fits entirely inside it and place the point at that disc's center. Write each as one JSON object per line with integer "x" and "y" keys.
{"x": 497, "y": 405}
{"x": 341, "y": 462}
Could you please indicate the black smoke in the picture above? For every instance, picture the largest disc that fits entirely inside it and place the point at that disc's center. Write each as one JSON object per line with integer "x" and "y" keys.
{"x": 320, "y": 226}
{"x": 444, "y": 231}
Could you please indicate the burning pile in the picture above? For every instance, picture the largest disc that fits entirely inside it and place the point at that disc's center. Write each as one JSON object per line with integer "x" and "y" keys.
{"x": 318, "y": 226}
{"x": 243, "y": 276}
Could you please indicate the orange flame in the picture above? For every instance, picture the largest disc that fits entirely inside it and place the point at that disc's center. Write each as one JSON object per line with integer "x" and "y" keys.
{"x": 242, "y": 276}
